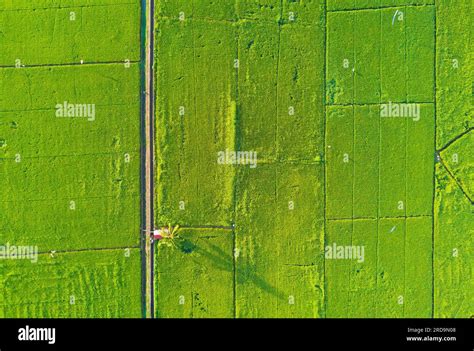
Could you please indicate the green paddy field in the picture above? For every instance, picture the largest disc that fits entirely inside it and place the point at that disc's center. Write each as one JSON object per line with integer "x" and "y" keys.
{"x": 298, "y": 84}
{"x": 70, "y": 186}
{"x": 301, "y": 83}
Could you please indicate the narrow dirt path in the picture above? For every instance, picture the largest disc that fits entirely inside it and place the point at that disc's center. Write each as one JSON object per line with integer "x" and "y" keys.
{"x": 149, "y": 158}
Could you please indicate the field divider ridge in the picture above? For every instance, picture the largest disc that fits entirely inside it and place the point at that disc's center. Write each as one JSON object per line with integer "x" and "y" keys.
{"x": 380, "y": 8}
{"x": 88, "y": 250}
{"x": 70, "y": 64}
{"x": 456, "y": 138}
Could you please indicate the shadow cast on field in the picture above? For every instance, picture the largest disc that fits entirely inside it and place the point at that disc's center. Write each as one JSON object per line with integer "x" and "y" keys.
{"x": 224, "y": 261}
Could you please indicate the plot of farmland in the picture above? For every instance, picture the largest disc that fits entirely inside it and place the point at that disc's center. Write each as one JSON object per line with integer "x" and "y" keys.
{"x": 459, "y": 162}
{"x": 454, "y": 254}
{"x": 453, "y": 207}
{"x": 69, "y": 33}
{"x": 312, "y": 158}
{"x": 378, "y": 166}
{"x": 454, "y": 69}
{"x": 97, "y": 173}
{"x": 377, "y": 56}
{"x": 196, "y": 102}
{"x": 342, "y": 175}
{"x": 102, "y": 284}
{"x": 70, "y": 158}
{"x": 261, "y": 96}
{"x": 195, "y": 278}
{"x": 379, "y": 170}
{"x": 367, "y": 4}
{"x": 394, "y": 277}
{"x": 279, "y": 242}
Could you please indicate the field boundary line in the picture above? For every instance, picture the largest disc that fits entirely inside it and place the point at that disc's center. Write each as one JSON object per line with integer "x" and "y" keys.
{"x": 198, "y": 149}
{"x": 378, "y": 218}
{"x": 66, "y": 7}
{"x": 394, "y": 7}
{"x": 407, "y": 132}
{"x": 69, "y": 198}
{"x": 275, "y": 179}
{"x": 152, "y": 151}
{"x": 116, "y": 153}
{"x": 324, "y": 164}
{"x": 235, "y": 179}
{"x": 291, "y": 162}
{"x": 73, "y": 64}
{"x": 277, "y": 86}
{"x": 134, "y": 247}
{"x": 379, "y": 166}
{"x": 204, "y": 226}
{"x": 53, "y": 109}
{"x": 238, "y": 21}
{"x": 455, "y": 139}
{"x": 435, "y": 108}
{"x": 379, "y": 103}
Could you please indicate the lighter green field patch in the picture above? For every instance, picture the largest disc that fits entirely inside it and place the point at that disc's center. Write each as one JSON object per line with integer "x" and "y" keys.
{"x": 102, "y": 284}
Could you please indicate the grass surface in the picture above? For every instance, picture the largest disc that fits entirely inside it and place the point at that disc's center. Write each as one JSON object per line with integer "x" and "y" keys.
{"x": 195, "y": 277}
{"x": 300, "y": 83}
{"x": 99, "y": 284}
{"x": 70, "y": 159}
{"x": 453, "y": 260}
{"x": 70, "y": 185}
{"x": 197, "y": 104}
{"x": 454, "y": 70}
{"x": 68, "y": 34}
{"x": 341, "y": 175}
{"x": 373, "y": 57}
